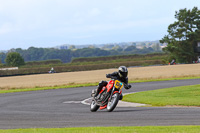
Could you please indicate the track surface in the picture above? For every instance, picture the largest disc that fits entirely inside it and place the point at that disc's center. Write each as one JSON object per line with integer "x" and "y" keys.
{"x": 62, "y": 108}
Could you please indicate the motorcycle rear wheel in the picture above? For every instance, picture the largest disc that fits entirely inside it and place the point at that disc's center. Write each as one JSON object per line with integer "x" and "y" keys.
{"x": 113, "y": 103}
{"x": 93, "y": 106}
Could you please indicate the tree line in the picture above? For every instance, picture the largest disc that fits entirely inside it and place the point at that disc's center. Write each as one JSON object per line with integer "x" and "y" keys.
{"x": 66, "y": 55}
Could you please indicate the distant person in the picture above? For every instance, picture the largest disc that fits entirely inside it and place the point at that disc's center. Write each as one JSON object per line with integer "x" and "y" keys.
{"x": 172, "y": 62}
{"x": 52, "y": 70}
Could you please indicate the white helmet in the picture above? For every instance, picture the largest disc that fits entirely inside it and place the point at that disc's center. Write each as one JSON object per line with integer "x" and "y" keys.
{"x": 123, "y": 71}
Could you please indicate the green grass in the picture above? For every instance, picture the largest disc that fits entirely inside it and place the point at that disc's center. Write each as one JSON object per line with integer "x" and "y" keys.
{"x": 180, "y": 96}
{"x": 163, "y": 79}
{"x": 11, "y": 90}
{"x": 136, "y": 129}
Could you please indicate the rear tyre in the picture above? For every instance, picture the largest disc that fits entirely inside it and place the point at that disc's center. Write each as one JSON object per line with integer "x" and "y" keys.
{"x": 93, "y": 106}
{"x": 113, "y": 103}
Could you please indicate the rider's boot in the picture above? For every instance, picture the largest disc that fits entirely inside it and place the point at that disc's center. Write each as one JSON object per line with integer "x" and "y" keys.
{"x": 99, "y": 87}
{"x": 97, "y": 91}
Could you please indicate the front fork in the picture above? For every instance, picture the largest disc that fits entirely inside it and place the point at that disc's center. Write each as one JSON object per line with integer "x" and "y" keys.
{"x": 112, "y": 92}
{"x": 93, "y": 93}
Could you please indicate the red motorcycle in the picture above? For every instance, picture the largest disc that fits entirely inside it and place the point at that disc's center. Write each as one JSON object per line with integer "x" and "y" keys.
{"x": 108, "y": 96}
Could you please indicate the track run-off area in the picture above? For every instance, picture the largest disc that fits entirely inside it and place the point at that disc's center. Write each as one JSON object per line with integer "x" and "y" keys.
{"x": 64, "y": 108}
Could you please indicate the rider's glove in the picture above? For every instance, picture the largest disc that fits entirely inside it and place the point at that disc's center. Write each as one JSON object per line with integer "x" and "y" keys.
{"x": 108, "y": 75}
{"x": 128, "y": 87}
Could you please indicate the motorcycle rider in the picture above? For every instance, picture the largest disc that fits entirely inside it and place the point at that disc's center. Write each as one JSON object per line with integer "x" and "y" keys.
{"x": 121, "y": 75}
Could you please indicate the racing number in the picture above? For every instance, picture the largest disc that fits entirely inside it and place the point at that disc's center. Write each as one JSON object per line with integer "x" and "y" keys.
{"x": 118, "y": 85}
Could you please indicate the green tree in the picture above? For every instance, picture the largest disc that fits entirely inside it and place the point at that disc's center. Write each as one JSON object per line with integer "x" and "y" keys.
{"x": 14, "y": 59}
{"x": 183, "y": 35}
{"x": 130, "y": 48}
{"x": 2, "y": 57}
{"x": 117, "y": 48}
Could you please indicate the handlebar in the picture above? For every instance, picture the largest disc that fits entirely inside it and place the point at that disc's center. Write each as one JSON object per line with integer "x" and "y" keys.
{"x": 115, "y": 78}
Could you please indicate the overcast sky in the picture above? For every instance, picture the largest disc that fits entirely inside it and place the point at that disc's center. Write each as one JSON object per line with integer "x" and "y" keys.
{"x": 48, "y": 23}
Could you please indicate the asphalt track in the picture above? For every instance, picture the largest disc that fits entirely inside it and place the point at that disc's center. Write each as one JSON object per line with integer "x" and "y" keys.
{"x": 63, "y": 108}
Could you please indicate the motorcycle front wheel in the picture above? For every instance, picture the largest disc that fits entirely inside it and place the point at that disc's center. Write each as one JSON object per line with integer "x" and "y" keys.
{"x": 93, "y": 106}
{"x": 113, "y": 102}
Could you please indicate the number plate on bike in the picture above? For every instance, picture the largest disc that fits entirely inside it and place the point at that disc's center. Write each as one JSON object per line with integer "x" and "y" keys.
{"x": 118, "y": 84}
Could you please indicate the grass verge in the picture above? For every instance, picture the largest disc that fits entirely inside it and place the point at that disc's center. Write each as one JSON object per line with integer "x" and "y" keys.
{"x": 135, "y": 129}
{"x": 164, "y": 79}
{"x": 178, "y": 96}
{"x": 37, "y": 88}
{"x": 73, "y": 85}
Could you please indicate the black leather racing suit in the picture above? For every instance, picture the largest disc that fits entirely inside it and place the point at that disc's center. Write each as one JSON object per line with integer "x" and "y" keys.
{"x": 116, "y": 76}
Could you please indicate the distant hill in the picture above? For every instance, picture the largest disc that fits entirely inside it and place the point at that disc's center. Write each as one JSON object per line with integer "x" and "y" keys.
{"x": 110, "y": 46}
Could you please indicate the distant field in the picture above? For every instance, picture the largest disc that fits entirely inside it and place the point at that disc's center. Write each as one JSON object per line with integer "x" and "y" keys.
{"x": 135, "y": 73}
{"x": 87, "y": 64}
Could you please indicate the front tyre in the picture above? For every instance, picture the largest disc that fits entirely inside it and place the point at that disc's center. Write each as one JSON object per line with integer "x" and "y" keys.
{"x": 93, "y": 106}
{"x": 113, "y": 103}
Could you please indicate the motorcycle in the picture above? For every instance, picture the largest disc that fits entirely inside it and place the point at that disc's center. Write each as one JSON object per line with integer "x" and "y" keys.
{"x": 108, "y": 96}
